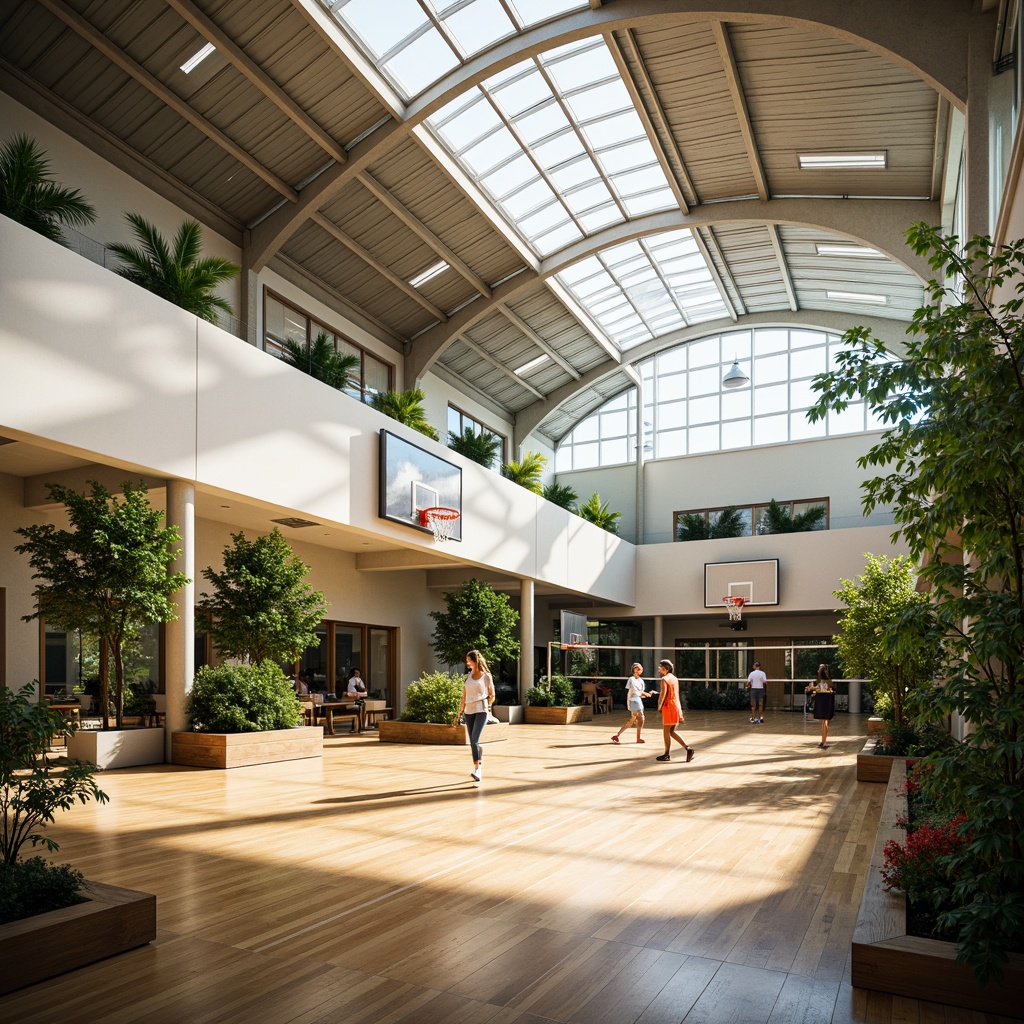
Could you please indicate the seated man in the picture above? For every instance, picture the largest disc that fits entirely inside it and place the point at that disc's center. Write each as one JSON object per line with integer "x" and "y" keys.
{"x": 356, "y": 689}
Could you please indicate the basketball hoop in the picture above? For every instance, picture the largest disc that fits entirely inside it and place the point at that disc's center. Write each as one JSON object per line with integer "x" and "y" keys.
{"x": 734, "y": 606}
{"x": 441, "y": 521}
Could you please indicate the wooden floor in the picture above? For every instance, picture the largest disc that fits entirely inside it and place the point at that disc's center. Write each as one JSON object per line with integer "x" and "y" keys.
{"x": 580, "y": 882}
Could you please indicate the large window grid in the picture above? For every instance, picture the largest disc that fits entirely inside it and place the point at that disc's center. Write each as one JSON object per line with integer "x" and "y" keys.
{"x": 459, "y": 422}
{"x": 688, "y": 412}
{"x": 752, "y": 515}
{"x": 283, "y": 322}
{"x": 557, "y": 144}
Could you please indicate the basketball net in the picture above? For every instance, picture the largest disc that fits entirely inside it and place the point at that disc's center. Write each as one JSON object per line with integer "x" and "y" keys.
{"x": 441, "y": 521}
{"x": 734, "y": 606}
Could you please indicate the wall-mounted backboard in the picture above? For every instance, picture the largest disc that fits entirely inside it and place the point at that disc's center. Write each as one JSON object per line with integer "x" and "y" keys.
{"x": 412, "y": 479}
{"x": 756, "y": 582}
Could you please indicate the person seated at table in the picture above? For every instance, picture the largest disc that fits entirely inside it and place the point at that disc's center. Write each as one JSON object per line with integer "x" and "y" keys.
{"x": 356, "y": 689}
{"x": 302, "y": 683}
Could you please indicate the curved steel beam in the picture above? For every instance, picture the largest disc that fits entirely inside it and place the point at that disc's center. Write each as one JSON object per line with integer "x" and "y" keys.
{"x": 890, "y": 28}
{"x": 877, "y": 223}
{"x": 530, "y": 417}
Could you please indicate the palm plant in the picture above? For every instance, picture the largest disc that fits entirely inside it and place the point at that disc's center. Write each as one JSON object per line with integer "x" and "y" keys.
{"x": 777, "y": 519}
{"x": 322, "y": 360}
{"x": 31, "y": 197}
{"x": 562, "y": 495}
{"x": 594, "y": 512}
{"x": 694, "y": 526}
{"x": 175, "y": 272}
{"x": 526, "y": 473}
{"x": 407, "y": 408}
{"x": 481, "y": 447}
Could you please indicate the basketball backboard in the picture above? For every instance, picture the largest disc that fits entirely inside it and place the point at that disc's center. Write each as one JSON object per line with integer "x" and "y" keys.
{"x": 756, "y": 582}
{"x": 412, "y": 479}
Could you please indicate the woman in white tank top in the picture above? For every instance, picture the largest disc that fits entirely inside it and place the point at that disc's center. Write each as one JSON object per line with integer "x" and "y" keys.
{"x": 477, "y": 698}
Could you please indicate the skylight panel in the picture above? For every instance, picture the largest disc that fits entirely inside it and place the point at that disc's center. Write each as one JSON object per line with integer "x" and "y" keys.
{"x": 524, "y": 202}
{"x": 617, "y": 159}
{"x": 575, "y": 174}
{"x": 197, "y": 58}
{"x": 379, "y": 30}
{"x": 534, "y": 11}
{"x": 542, "y": 123}
{"x": 594, "y": 220}
{"x": 557, "y": 239}
{"x": 522, "y": 93}
{"x": 842, "y": 161}
{"x": 600, "y": 101}
{"x": 429, "y": 274}
{"x": 559, "y": 150}
{"x": 532, "y": 364}
{"x": 849, "y": 249}
{"x": 580, "y": 65}
{"x": 584, "y": 199}
{"x": 479, "y": 25}
{"x": 855, "y": 297}
{"x": 471, "y": 123}
{"x": 509, "y": 176}
{"x": 492, "y": 152}
{"x": 421, "y": 62}
{"x": 544, "y": 220}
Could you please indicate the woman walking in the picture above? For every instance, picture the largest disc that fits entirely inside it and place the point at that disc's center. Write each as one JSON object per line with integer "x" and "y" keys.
{"x": 824, "y": 703}
{"x": 477, "y": 698}
{"x": 671, "y": 711}
{"x": 635, "y": 692}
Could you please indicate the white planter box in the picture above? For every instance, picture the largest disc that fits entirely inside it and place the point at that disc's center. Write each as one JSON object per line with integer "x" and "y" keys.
{"x": 511, "y": 713}
{"x": 117, "y": 748}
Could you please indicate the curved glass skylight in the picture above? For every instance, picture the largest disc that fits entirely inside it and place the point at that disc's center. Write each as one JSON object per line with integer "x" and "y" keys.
{"x": 556, "y": 143}
{"x": 414, "y": 43}
{"x": 642, "y": 289}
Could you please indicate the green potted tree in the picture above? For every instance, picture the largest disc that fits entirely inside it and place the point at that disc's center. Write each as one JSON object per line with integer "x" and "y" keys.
{"x": 322, "y": 361}
{"x": 405, "y": 407}
{"x": 108, "y": 575}
{"x": 480, "y": 446}
{"x": 526, "y": 473}
{"x": 594, "y": 512}
{"x": 261, "y": 611}
{"x": 44, "y": 906}
{"x": 554, "y": 701}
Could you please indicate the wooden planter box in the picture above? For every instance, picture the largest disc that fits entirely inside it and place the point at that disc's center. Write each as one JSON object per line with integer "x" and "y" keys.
{"x": 559, "y": 716}
{"x": 111, "y": 921}
{"x": 117, "y": 748}
{"x": 875, "y": 767}
{"x": 446, "y": 735}
{"x": 238, "y": 749}
{"x": 886, "y": 959}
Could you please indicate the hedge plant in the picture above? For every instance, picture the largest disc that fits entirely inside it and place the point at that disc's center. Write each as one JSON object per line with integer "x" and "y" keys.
{"x": 556, "y": 692}
{"x": 434, "y": 697}
{"x": 242, "y": 698}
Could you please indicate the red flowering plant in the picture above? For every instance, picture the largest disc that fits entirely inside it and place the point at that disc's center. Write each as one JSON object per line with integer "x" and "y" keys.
{"x": 923, "y": 867}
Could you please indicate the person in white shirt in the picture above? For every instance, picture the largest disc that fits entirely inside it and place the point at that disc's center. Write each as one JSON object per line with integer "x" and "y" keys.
{"x": 356, "y": 689}
{"x": 757, "y": 681}
{"x": 475, "y": 705}
{"x": 635, "y": 692}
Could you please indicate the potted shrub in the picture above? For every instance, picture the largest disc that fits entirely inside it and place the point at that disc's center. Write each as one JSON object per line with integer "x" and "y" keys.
{"x": 431, "y": 704}
{"x": 554, "y": 702}
{"x": 51, "y": 919}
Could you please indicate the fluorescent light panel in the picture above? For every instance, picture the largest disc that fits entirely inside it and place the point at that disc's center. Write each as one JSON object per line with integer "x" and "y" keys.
{"x": 855, "y": 297}
{"x": 531, "y": 365}
{"x": 858, "y": 251}
{"x": 842, "y": 161}
{"x": 197, "y": 58}
{"x": 428, "y": 274}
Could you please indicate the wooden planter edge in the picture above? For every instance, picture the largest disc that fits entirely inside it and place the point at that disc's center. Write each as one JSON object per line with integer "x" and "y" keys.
{"x": 886, "y": 959}
{"x": 242, "y": 749}
{"x": 112, "y": 920}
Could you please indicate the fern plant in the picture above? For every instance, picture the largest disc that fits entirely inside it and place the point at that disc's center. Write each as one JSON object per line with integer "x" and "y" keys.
{"x": 776, "y": 519}
{"x": 562, "y": 495}
{"x": 526, "y": 473}
{"x": 482, "y": 447}
{"x": 322, "y": 360}
{"x": 594, "y": 512}
{"x": 407, "y": 408}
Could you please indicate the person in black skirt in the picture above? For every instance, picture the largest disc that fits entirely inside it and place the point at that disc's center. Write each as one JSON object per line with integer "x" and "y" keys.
{"x": 824, "y": 703}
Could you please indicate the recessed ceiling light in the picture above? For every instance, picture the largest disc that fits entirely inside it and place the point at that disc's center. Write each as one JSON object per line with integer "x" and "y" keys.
{"x": 429, "y": 273}
{"x": 855, "y": 297}
{"x": 531, "y": 365}
{"x": 841, "y": 161}
{"x": 197, "y": 58}
{"x": 857, "y": 251}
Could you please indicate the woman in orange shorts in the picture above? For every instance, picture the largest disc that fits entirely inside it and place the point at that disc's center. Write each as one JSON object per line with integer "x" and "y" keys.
{"x": 671, "y": 711}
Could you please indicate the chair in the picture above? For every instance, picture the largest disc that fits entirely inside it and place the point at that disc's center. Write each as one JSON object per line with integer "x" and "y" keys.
{"x": 308, "y": 712}
{"x": 600, "y": 703}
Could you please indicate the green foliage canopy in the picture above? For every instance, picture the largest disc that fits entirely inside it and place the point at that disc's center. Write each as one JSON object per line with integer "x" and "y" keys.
{"x": 477, "y": 618}
{"x": 322, "y": 361}
{"x": 556, "y": 692}
{"x": 526, "y": 473}
{"x": 776, "y": 519}
{"x": 434, "y": 697}
{"x": 242, "y": 698}
{"x": 261, "y": 606}
{"x": 594, "y": 512}
{"x": 695, "y": 526}
{"x": 480, "y": 446}
{"x": 406, "y": 407}
{"x": 562, "y": 495}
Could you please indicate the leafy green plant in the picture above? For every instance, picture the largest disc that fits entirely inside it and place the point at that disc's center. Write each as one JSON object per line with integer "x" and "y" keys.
{"x": 30, "y": 196}
{"x": 480, "y": 446}
{"x": 594, "y": 512}
{"x": 950, "y": 464}
{"x": 321, "y": 360}
{"x": 776, "y": 519}
{"x": 35, "y": 886}
{"x": 434, "y": 697}
{"x": 261, "y": 606}
{"x": 407, "y": 408}
{"x": 477, "y": 618}
{"x": 556, "y": 692}
{"x": 109, "y": 575}
{"x": 242, "y": 698}
{"x": 32, "y": 787}
{"x": 562, "y": 495}
{"x": 175, "y": 271}
{"x": 527, "y": 472}
{"x": 695, "y": 526}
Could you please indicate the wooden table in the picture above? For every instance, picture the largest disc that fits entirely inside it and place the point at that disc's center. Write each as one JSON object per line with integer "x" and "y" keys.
{"x": 328, "y": 708}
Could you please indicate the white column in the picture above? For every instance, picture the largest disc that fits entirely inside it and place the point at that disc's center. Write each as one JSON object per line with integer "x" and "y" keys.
{"x": 180, "y": 634}
{"x": 525, "y": 637}
{"x": 640, "y": 440}
{"x": 659, "y": 640}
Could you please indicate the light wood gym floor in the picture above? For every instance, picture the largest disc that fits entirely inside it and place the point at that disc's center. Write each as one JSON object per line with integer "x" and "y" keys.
{"x": 580, "y": 882}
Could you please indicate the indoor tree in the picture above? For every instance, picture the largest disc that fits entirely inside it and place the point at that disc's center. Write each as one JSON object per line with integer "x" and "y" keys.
{"x": 321, "y": 360}
{"x": 527, "y": 472}
{"x": 477, "y": 618}
{"x": 776, "y": 519}
{"x": 407, "y": 408}
{"x": 175, "y": 271}
{"x": 29, "y": 195}
{"x": 950, "y": 465}
{"x": 479, "y": 445}
{"x": 108, "y": 575}
{"x": 594, "y": 512}
{"x": 261, "y": 607}
{"x": 561, "y": 494}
